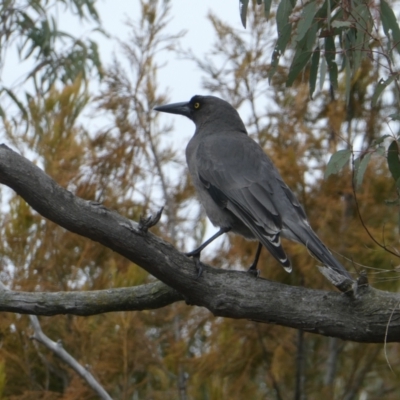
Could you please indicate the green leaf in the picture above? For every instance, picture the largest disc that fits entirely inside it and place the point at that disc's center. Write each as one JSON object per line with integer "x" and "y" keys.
{"x": 302, "y": 55}
{"x": 380, "y": 150}
{"x": 393, "y": 160}
{"x": 380, "y": 140}
{"x": 284, "y": 28}
{"x": 364, "y": 25}
{"x": 314, "y": 70}
{"x": 306, "y": 20}
{"x": 389, "y": 23}
{"x": 395, "y": 202}
{"x": 360, "y": 168}
{"x": 329, "y": 14}
{"x": 283, "y": 12}
{"x": 348, "y": 79}
{"x": 267, "y": 8}
{"x": 398, "y": 219}
{"x": 395, "y": 117}
{"x": 380, "y": 87}
{"x": 337, "y": 162}
{"x": 280, "y": 47}
{"x": 243, "y": 11}
{"x": 17, "y": 102}
{"x": 322, "y": 74}
{"x": 330, "y": 55}
{"x": 341, "y": 24}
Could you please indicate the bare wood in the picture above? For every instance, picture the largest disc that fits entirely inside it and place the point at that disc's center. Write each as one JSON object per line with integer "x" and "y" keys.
{"x": 366, "y": 317}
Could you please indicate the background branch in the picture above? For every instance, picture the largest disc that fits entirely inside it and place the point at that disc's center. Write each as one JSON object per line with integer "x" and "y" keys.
{"x": 58, "y": 349}
{"x": 136, "y": 298}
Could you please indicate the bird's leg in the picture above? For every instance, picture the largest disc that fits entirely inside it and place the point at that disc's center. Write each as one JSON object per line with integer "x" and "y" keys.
{"x": 196, "y": 252}
{"x": 253, "y": 267}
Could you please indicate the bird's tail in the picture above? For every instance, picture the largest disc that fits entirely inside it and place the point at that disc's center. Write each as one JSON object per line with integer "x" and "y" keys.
{"x": 322, "y": 253}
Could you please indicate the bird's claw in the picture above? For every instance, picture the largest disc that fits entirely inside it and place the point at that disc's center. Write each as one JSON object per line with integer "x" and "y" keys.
{"x": 196, "y": 256}
{"x": 147, "y": 222}
{"x": 254, "y": 271}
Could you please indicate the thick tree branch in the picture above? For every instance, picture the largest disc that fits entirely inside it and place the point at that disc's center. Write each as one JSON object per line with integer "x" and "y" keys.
{"x": 233, "y": 294}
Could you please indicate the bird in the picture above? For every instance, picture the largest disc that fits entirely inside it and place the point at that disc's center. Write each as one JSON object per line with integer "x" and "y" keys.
{"x": 240, "y": 188}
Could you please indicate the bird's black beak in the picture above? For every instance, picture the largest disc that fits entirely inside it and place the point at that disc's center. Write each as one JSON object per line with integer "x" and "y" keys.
{"x": 176, "y": 108}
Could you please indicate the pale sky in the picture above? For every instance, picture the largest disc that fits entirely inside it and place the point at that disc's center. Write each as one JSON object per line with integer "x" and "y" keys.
{"x": 180, "y": 77}
{"x": 190, "y": 15}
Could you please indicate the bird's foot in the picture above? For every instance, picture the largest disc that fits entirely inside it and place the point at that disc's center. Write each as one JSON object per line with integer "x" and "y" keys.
{"x": 195, "y": 254}
{"x": 147, "y": 222}
{"x": 144, "y": 223}
{"x": 254, "y": 271}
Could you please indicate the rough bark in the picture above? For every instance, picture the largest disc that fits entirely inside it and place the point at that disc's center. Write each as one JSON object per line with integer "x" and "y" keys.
{"x": 369, "y": 316}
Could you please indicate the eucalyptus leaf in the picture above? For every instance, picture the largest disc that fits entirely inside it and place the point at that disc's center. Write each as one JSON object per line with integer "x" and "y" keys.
{"x": 393, "y": 160}
{"x": 314, "y": 70}
{"x": 306, "y": 20}
{"x": 337, "y": 162}
{"x": 360, "y": 169}
{"x": 243, "y": 4}
{"x": 330, "y": 56}
{"x": 267, "y": 8}
{"x": 380, "y": 87}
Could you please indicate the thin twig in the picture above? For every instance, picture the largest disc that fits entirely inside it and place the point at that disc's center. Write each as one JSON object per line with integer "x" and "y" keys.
{"x": 57, "y": 349}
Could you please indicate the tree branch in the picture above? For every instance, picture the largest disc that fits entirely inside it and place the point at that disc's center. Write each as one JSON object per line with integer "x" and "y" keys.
{"x": 57, "y": 349}
{"x": 137, "y": 298}
{"x": 232, "y": 294}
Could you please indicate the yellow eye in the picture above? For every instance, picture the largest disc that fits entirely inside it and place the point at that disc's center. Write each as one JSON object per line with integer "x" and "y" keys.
{"x": 196, "y": 105}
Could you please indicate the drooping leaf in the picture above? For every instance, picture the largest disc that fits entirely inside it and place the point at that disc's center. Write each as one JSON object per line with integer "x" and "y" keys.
{"x": 337, "y": 162}
{"x": 322, "y": 74}
{"x": 348, "y": 79}
{"x": 306, "y": 20}
{"x": 243, "y": 4}
{"x": 302, "y": 55}
{"x": 18, "y": 103}
{"x": 393, "y": 160}
{"x": 283, "y": 12}
{"x": 360, "y": 168}
{"x": 380, "y": 87}
{"x": 283, "y": 40}
{"x": 363, "y": 26}
{"x": 314, "y": 70}
{"x": 380, "y": 150}
{"x": 267, "y": 8}
{"x": 341, "y": 24}
{"x": 330, "y": 55}
{"x": 395, "y": 116}
{"x": 389, "y": 23}
{"x": 380, "y": 140}
{"x": 284, "y": 28}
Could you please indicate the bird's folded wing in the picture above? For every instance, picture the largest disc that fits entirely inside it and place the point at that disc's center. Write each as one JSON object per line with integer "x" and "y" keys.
{"x": 241, "y": 185}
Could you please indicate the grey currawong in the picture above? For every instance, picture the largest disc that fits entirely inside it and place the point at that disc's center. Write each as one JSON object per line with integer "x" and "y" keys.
{"x": 239, "y": 186}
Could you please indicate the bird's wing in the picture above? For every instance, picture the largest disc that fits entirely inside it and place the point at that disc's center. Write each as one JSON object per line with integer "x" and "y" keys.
{"x": 240, "y": 177}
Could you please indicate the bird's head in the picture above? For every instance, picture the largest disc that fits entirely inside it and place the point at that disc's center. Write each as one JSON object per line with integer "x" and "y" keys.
{"x": 205, "y": 109}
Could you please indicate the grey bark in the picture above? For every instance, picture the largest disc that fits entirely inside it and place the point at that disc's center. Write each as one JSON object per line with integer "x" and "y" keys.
{"x": 144, "y": 297}
{"x": 364, "y": 317}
